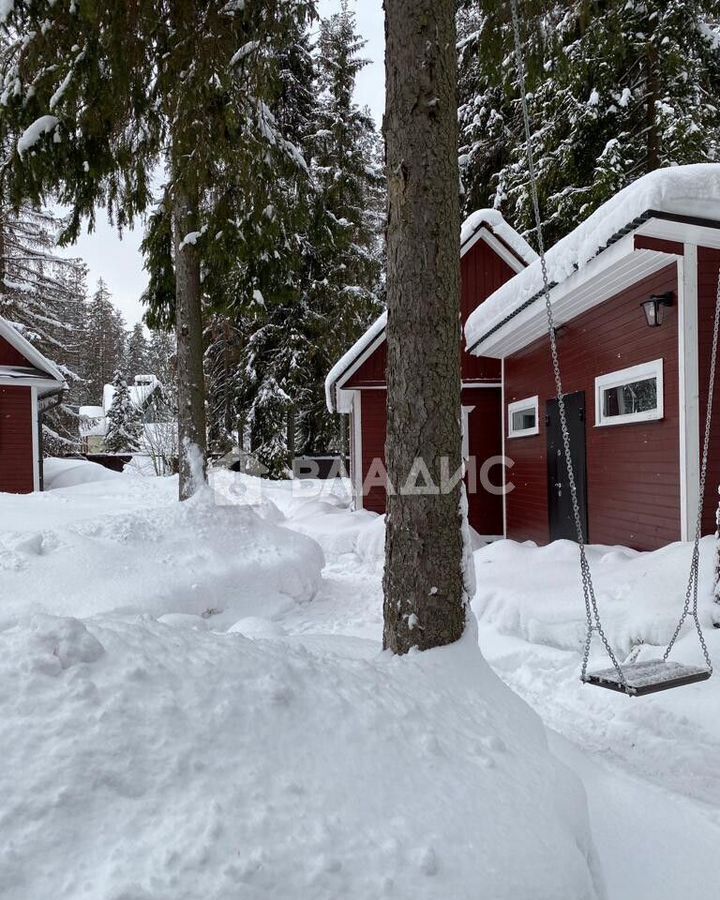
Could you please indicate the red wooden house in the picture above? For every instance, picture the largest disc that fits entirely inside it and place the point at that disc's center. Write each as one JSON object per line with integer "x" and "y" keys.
{"x": 28, "y": 384}
{"x": 633, "y": 294}
{"x": 491, "y": 254}
{"x": 633, "y": 297}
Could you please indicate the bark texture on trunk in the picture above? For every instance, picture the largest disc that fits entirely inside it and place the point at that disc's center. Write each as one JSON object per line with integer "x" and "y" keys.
{"x": 189, "y": 329}
{"x": 423, "y": 582}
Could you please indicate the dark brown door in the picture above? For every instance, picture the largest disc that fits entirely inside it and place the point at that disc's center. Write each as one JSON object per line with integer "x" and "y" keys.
{"x": 562, "y": 521}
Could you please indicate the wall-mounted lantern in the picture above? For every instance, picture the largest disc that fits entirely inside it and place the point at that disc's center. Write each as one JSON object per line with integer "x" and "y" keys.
{"x": 654, "y": 308}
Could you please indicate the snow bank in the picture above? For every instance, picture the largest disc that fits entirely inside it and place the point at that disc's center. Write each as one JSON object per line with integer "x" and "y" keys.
{"x": 336, "y": 528}
{"x": 684, "y": 190}
{"x": 196, "y": 558}
{"x": 67, "y": 473}
{"x": 150, "y": 762}
{"x": 535, "y": 592}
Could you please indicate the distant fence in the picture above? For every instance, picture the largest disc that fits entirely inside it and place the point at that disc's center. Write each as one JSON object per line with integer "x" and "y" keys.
{"x": 322, "y": 467}
{"x": 116, "y": 462}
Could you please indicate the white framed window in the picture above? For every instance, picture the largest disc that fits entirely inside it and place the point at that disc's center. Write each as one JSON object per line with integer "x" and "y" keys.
{"x": 630, "y": 395}
{"x": 523, "y": 418}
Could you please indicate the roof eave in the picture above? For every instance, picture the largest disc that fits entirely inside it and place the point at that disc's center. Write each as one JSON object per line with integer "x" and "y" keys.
{"x": 496, "y": 340}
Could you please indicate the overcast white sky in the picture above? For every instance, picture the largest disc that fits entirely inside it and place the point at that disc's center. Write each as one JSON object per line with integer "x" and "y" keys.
{"x": 120, "y": 261}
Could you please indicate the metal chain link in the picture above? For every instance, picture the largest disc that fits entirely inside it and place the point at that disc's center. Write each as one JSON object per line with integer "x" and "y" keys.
{"x": 691, "y": 593}
{"x": 592, "y": 614}
{"x": 591, "y": 610}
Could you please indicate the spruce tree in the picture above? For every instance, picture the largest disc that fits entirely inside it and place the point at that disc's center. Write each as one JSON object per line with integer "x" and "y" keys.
{"x": 161, "y": 358}
{"x": 136, "y": 360}
{"x": 617, "y": 89}
{"x": 104, "y": 344}
{"x": 347, "y": 226}
{"x": 309, "y": 309}
{"x": 42, "y": 294}
{"x": 125, "y": 427}
{"x": 104, "y": 91}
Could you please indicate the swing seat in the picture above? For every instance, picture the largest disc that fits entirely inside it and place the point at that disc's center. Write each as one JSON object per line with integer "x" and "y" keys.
{"x": 648, "y": 677}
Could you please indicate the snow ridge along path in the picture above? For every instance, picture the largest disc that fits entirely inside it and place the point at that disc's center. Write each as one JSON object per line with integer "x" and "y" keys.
{"x": 157, "y": 754}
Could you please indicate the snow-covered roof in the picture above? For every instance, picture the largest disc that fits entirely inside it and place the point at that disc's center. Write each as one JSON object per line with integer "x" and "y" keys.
{"x": 506, "y": 233}
{"x": 140, "y": 391}
{"x": 374, "y": 333}
{"x": 487, "y": 218}
{"x": 690, "y": 191}
{"x": 91, "y": 412}
{"x": 31, "y": 354}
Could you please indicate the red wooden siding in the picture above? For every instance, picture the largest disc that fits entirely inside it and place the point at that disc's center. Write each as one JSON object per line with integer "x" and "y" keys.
{"x": 485, "y": 509}
{"x": 9, "y": 356}
{"x": 16, "y": 440}
{"x": 482, "y": 273}
{"x": 372, "y": 372}
{"x": 643, "y": 242}
{"x": 485, "y": 441}
{"x": 708, "y": 267}
{"x": 633, "y": 470}
{"x": 373, "y": 443}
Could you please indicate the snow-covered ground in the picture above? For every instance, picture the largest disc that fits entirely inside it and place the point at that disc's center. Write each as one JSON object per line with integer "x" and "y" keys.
{"x": 193, "y": 703}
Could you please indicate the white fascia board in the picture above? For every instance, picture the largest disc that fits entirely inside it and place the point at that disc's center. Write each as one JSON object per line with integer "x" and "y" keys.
{"x": 35, "y": 438}
{"x": 689, "y": 391}
{"x": 23, "y": 346}
{"x": 42, "y": 384}
{"x": 681, "y": 232}
{"x": 485, "y": 234}
{"x": 609, "y": 273}
{"x": 343, "y": 398}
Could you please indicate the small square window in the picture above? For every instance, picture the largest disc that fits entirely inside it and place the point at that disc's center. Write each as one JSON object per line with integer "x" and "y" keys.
{"x": 523, "y": 418}
{"x": 630, "y": 395}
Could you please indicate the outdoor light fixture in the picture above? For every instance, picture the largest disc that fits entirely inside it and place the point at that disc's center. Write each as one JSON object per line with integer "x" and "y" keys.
{"x": 654, "y": 308}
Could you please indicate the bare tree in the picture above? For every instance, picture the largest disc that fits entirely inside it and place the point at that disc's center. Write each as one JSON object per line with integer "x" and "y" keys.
{"x": 425, "y": 602}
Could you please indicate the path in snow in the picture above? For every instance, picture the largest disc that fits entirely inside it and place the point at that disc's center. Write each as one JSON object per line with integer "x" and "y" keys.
{"x": 651, "y": 767}
{"x": 652, "y": 774}
{"x": 651, "y": 842}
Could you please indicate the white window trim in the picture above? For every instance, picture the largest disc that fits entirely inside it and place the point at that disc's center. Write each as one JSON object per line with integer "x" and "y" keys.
{"x": 466, "y": 410}
{"x": 653, "y": 369}
{"x": 517, "y": 406}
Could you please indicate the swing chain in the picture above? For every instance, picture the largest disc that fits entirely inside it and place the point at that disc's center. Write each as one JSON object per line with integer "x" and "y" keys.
{"x": 592, "y": 614}
{"x": 691, "y": 594}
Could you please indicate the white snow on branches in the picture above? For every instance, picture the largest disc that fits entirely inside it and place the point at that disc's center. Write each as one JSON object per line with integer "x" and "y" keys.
{"x": 32, "y": 134}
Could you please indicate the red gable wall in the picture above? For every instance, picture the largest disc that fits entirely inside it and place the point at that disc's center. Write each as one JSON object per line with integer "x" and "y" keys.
{"x": 16, "y": 440}
{"x": 482, "y": 272}
{"x": 9, "y": 356}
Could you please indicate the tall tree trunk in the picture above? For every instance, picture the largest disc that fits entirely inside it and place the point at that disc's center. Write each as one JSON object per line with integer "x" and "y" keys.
{"x": 188, "y": 325}
{"x": 425, "y": 604}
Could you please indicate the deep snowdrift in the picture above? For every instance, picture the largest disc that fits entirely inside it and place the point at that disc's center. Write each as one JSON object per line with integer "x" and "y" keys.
{"x": 195, "y": 558}
{"x": 143, "y": 761}
{"x": 535, "y": 592}
{"x": 67, "y": 473}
